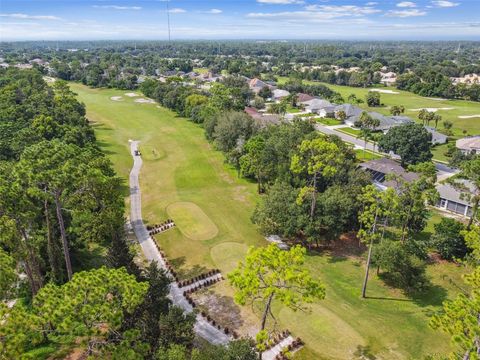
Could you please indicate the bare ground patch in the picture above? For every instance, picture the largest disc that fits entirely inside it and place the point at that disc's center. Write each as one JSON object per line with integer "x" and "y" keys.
{"x": 220, "y": 307}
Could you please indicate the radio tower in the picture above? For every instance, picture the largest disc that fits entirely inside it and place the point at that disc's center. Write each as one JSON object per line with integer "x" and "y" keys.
{"x": 168, "y": 19}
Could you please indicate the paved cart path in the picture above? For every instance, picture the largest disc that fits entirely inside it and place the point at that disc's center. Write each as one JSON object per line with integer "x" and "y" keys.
{"x": 202, "y": 328}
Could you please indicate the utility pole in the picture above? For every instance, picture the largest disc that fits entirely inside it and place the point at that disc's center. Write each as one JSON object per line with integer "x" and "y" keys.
{"x": 168, "y": 20}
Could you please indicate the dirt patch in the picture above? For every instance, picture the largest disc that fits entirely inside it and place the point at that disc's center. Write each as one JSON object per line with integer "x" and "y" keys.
{"x": 227, "y": 178}
{"x": 116, "y": 98}
{"x": 131, "y": 94}
{"x": 347, "y": 246}
{"x": 144, "y": 101}
{"x": 221, "y": 308}
{"x": 239, "y": 193}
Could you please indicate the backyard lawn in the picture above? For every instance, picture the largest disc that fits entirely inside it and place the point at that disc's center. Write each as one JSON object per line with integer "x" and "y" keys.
{"x": 185, "y": 179}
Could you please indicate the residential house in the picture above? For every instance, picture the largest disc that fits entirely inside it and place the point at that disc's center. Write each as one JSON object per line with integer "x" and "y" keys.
{"x": 453, "y": 199}
{"x": 316, "y": 105}
{"x": 388, "y": 122}
{"x": 279, "y": 94}
{"x": 352, "y": 113}
{"x": 263, "y": 119}
{"x": 469, "y": 144}
{"x": 256, "y": 85}
{"x": 437, "y": 137}
{"x": 469, "y": 79}
{"x": 388, "y": 78}
{"x": 301, "y": 98}
{"x": 381, "y": 168}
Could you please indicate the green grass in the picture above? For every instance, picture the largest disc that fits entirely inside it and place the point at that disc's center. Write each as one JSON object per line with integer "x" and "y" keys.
{"x": 328, "y": 121}
{"x": 200, "y": 70}
{"x": 293, "y": 110}
{"x": 180, "y": 166}
{"x": 438, "y": 152}
{"x": 413, "y": 101}
{"x": 366, "y": 155}
{"x": 350, "y": 131}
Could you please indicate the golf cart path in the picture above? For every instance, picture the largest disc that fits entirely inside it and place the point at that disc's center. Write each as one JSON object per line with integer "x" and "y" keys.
{"x": 202, "y": 328}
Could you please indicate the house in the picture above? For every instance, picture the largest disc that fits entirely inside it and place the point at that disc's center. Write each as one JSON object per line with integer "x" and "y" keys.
{"x": 279, "y": 94}
{"x": 469, "y": 145}
{"x": 388, "y": 122}
{"x": 352, "y": 113}
{"x": 316, "y": 105}
{"x": 301, "y": 98}
{"x": 388, "y": 78}
{"x": 453, "y": 199}
{"x": 263, "y": 119}
{"x": 437, "y": 137}
{"x": 469, "y": 79}
{"x": 380, "y": 168}
{"x": 256, "y": 85}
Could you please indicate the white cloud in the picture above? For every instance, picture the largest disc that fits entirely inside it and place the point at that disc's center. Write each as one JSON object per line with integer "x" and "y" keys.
{"x": 371, "y": 3}
{"x": 406, "y": 4}
{"x": 213, "y": 11}
{"x": 281, "y": 2}
{"x": 444, "y": 3}
{"x": 406, "y": 13}
{"x": 117, "y": 7}
{"x": 177, "y": 11}
{"x": 343, "y": 10}
{"x": 30, "y": 17}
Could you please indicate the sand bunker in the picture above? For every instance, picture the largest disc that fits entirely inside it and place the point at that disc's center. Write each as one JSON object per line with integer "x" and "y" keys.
{"x": 469, "y": 116}
{"x": 436, "y": 99}
{"x": 116, "y": 98}
{"x": 131, "y": 94}
{"x": 144, "y": 101}
{"x": 383, "y": 91}
{"x": 433, "y": 109}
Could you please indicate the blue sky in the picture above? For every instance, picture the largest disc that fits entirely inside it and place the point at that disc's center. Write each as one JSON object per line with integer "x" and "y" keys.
{"x": 240, "y": 19}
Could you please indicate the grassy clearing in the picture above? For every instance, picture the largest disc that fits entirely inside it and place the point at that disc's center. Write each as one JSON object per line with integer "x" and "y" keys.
{"x": 350, "y": 131}
{"x": 293, "y": 110}
{"x": 180, "y": 166}
{"x": 412, "y": 101}
{"x": 366, "y": 155}
{"x": 328, "y": 121}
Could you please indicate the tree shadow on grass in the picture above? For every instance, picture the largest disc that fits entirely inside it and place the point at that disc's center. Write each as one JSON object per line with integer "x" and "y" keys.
{"x": 384, "y": 298}
{"x": 184, "y": 272}
{"x": 106, "y": 147}
{"x": 434, "y": 295}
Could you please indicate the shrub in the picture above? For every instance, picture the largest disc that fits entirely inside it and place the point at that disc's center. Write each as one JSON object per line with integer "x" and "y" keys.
{"x": 448, "y": 239}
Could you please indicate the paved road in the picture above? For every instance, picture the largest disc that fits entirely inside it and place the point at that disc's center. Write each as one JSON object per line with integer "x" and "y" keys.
{"x": 443, "y": 171}
{"x": 202, "y": 328}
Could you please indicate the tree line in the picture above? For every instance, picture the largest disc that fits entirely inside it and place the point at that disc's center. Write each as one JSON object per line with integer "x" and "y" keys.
{"x": 68, "y": 279}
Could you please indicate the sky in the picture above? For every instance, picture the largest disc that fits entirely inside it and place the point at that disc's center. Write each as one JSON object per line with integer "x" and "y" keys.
{"x": 239, "y": 19}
